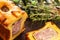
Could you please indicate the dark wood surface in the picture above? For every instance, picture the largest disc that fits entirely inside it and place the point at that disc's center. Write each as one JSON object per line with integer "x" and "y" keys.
{"x": 33, "y": 26}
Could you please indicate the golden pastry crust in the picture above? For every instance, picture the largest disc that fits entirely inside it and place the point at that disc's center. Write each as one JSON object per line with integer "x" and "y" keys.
{"x": 4, "y": 33}
{"x": 30, "y": 35}
{"x": 10, "y": 13}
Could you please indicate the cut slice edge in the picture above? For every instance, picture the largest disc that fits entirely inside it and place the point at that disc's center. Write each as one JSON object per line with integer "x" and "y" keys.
{"x": 30, "y": 36}
{"x": 22, "y": 27}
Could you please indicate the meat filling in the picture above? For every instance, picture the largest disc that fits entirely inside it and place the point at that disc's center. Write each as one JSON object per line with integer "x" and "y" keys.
{"x": 16, "y": 27}
{"x": 46, "y": 34}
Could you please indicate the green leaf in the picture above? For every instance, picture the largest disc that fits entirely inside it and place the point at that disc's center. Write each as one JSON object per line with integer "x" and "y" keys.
{"x": 57, "y": 1}
{"x": 16, "y": 1}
